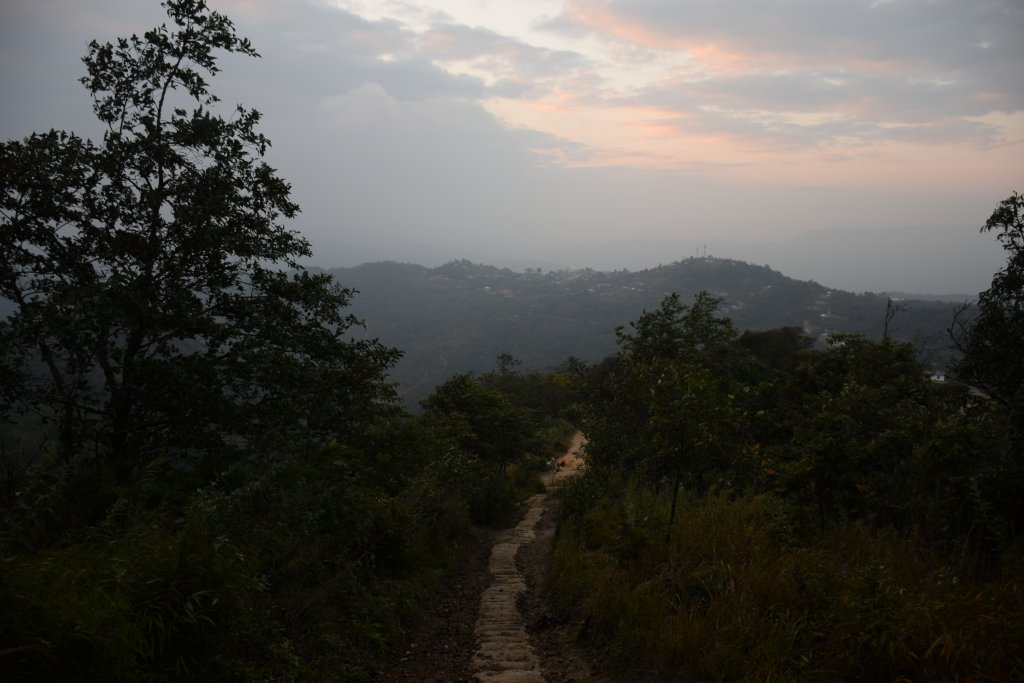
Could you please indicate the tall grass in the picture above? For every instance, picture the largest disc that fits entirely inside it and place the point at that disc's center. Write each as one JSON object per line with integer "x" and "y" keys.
{"x": 734, "y": 597}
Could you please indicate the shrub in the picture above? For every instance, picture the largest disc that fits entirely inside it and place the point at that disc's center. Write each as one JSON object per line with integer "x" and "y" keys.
{"x": 734, "y": 598}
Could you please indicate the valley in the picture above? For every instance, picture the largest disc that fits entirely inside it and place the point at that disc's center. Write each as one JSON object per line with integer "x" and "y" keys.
{"x": 460, "y": 316}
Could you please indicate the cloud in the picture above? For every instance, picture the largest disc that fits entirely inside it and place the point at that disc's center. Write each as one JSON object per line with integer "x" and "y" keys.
{"x": 414, "y": 121}
{"x": 806, "y": 74}
{"x": 501, "y": 61}
{"x": 936, "y": 33}
{"x": 368, "y": 104}
{"x": 314, "y": 48}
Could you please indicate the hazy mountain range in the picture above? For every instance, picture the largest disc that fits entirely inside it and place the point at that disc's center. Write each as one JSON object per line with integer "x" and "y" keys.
{"x": 952, "y": 261}
{"x": 460, "y": 316}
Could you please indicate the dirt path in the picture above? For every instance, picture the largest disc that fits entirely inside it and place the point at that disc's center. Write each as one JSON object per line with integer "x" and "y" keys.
{"x": 555, "y": 636}
{"x": 503, "y": 650}
{"x": 491, "y": 621}
{"x": 569, "y": 464}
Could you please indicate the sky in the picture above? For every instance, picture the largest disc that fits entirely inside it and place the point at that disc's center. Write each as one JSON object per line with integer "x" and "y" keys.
{"x": 620, "y": 133}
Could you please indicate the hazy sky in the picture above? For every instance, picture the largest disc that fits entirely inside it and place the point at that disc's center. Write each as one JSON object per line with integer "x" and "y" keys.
{"x": 522, "y": 125}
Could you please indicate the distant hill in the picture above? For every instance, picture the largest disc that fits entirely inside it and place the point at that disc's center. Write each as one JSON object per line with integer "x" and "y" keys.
{"x": 460, "y": 316}
{"x": 948, "y": 260}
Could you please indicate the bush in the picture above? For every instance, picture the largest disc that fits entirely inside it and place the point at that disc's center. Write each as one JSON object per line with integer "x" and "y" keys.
{"x": 295, "y": 569}
{"x": 731, "y": 599}
{"x": 129, "y": 599}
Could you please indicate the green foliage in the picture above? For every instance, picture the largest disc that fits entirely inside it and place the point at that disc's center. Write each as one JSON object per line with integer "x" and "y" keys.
{"x": 157, "y": 299}
{"x": 678, "y": 332}
{"x": 232, "y": 493}
{"x": 484, "y": 421}
{"x": 992, "y": 353}
{"x": 281, "y": 568}
{"x": 730, "y": 599}
{"x": 755, "y": 509}
{"x": 993, "y": 358}
{"x": 301, "y": 567}
{"x": 456, "y": 318}
{"x": 660, "y": 409}
{"x": 129, "y": 599}
{"x": 778, "y": 350}
{"x": 861, "y": 408}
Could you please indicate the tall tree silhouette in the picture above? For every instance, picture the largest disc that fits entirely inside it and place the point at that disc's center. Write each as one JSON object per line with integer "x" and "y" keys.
{"x": 158, "y": 299}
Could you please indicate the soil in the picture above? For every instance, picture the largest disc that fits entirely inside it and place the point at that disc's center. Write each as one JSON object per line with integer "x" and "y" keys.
{"x": 553, "y": 632}
{"x": 440, "y": 646}
{"x": 456, "y": 642}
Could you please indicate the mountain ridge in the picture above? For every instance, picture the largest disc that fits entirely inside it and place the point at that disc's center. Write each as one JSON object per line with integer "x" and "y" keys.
{"x": 459, "y": 316}
{"x": 920, "y": 259}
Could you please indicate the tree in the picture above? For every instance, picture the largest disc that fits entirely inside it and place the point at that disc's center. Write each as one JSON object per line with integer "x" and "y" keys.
{"x": 157, "y": 296}
{"x": 993, "y": 353}
{"x": 482, "y": 421}
{"x": 780, "y": 349}
{"x": 857, "y": 410}
{"x": 692, "y": 425}
{"x": 641, "y": 411}
{"x": 891, "y": 309}
{"x": 675, "y": 330}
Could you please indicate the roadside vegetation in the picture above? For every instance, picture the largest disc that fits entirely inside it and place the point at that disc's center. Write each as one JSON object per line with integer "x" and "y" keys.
{"x": 207, "y": 472}
{"x": 284, "y": 564}
{"x": 754, "y": 509}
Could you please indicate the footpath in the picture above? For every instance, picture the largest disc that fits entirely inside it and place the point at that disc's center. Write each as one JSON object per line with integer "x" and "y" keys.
{"x": 491, "y": 622}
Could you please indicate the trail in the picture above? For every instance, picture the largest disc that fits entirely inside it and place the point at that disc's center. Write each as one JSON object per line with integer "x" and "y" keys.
{"x": 491, "y": 622}
{"x": 505, "y": 652}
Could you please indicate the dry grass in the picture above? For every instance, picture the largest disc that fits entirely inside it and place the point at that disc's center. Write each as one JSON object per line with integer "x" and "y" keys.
{"x": 731, "y": 599}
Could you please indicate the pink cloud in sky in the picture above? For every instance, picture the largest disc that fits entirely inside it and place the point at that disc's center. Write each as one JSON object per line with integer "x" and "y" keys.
{"x": 781, "y": 93}
{"x": 592, "y": 119}
{"x": 713, "y": 53}
{"x": 599, "y": 18}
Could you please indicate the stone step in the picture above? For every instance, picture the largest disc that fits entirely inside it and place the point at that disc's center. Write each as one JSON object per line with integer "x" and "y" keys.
{"x": 504, "y": 653}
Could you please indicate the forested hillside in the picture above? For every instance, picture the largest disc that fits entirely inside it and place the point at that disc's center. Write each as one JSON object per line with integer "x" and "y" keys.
{"x": 754, "y": 509}
{"x": 458, "y": 317}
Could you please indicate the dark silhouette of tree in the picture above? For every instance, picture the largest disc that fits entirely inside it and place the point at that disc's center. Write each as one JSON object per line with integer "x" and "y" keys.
{"x": 891, "y": 309}
{"x": 663, "y": 409}
{"x": 678, "y": 331}
{"x": 993, "y": 346}
{"x": 158, "y": 299}
{"x": 483, "y": 421}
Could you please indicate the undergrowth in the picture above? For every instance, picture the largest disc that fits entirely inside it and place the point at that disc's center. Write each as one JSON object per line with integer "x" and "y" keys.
{"x": 295, "y": 570}
{"x": 736, "y": 596}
